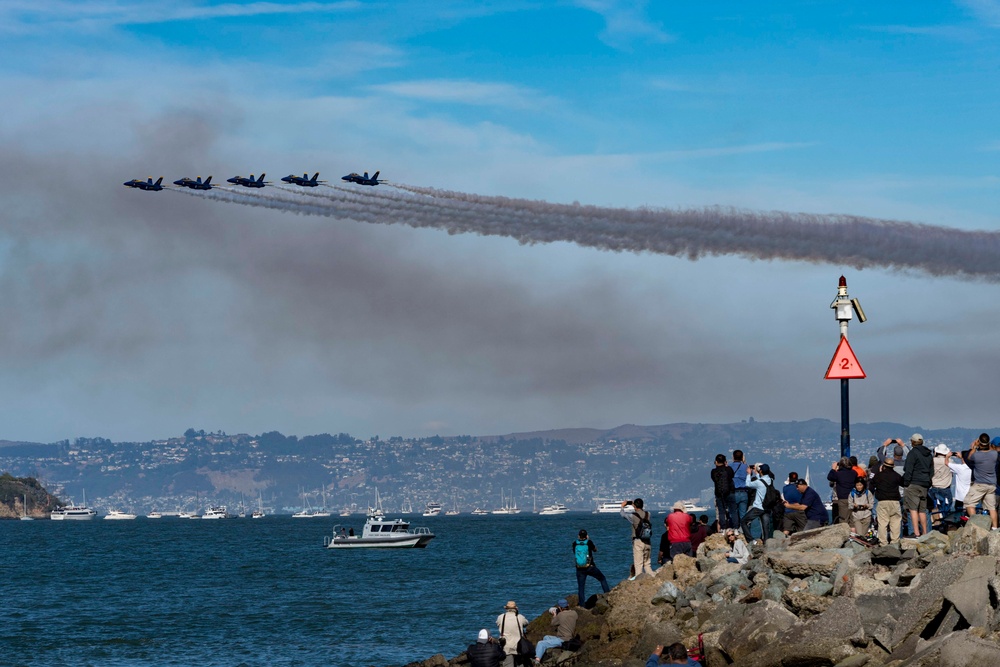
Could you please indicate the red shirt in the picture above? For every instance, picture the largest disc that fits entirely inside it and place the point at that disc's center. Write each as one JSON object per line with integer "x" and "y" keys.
{"x": 678, "y": 527}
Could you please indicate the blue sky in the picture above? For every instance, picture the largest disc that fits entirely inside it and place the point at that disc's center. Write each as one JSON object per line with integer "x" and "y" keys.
{"x": 135, "y": 316}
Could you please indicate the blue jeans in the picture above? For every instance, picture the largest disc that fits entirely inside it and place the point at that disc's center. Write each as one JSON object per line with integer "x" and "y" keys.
{"x": 548, "y": 641}
{"x": 739, "y": 506}
{"x": 940, "y": 500}
{"x": 581, "y": 580}
{"x": 754, "y": 515}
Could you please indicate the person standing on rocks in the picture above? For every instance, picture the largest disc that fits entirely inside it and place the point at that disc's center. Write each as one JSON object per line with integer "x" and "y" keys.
{"x": 795, "y": 520}
{"x": 722, "y": 479}
{"x": 663, "y": 553}
{"x": 963, "y": 478}
{"x": 811, "y": 504}
{"x": 918, "y": 471}
{"x": 939, "y": 495}
{"x": 564, "y": 621}
{"x": 740, "y": 491}
{"x": 486, "y": 652}
{"x": 583, "y": 553}
{"x": 679, "y": 529}
{"x": 511, "y": 625}
{"x": 639, "y": 518}
{"x": 885, "y": 488}
{"x": 842, "y": 476}
{"x": 983, "y": 461}
{"x": 699, "y": 531}
{"x": 759, "y": 477}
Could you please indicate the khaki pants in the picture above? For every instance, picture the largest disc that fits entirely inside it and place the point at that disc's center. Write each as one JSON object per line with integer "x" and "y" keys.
{"x": 640, "y": 557}
{"x": 859, "y": 524}
{"x": 890, "y": 517}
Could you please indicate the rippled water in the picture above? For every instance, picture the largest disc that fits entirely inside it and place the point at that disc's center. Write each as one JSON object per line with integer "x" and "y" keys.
{"x": 266, "y": 592}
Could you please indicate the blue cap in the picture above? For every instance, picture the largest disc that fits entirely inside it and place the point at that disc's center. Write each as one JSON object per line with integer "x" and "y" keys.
{"x": 563, "y": 602}
{"x": 995, "y": 441}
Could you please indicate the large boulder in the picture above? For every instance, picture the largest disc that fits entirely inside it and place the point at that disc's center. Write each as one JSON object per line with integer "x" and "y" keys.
{"x": 970, "y": 594}
{"x": 825, "y": 639}
{"x": 972, "y": 540}
{"x": 828, "y": 537}
{"x": 653, "y": 634}
{"x": 804, "y": 563}
{"x": 926, "y": 600}
{"x": 758, "y": 628}
{"x": 958, "y": 649}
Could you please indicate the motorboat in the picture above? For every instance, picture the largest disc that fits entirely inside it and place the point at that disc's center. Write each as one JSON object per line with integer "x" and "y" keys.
{"x": 380, "y": 533}
{"x": 154, "y": 515}
{"x": 432, "y": 509}
{"x": 612, "y": 507}
{"x": 552, "y": 510}
{"x": 73, "y": 513}
{"x": 479, "y": 511}
{"x": 118, "y": 515}
{"x": 216, "y": 512}
{"x": 690, "y": 506}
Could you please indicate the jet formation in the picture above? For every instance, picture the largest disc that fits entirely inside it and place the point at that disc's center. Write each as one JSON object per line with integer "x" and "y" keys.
{"x": 251, "y": 182}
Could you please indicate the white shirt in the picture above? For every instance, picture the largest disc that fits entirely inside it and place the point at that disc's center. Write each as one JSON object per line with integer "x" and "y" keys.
{"x": 963, "y": 478}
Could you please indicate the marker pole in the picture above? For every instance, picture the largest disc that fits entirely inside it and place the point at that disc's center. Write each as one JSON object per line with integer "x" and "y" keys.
{"x": 845, "y": 419}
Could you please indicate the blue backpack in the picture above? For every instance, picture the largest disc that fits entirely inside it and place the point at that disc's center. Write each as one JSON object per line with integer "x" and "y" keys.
{"x": 581, "y": 553}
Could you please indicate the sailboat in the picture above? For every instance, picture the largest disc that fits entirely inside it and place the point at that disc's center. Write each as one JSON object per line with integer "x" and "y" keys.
{"x": 306, "y": 511}
{"x": 259, "y": 512}
{"x": 508, "y": 507}
{"x": 454, "y": 510}
{"x": 24, "y": 510}
{"x": 324, "y": 511}
{"x": 376, "y": 512}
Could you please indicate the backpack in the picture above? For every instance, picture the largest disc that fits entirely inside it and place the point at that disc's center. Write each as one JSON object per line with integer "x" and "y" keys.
{"x": 581, "y": 553}
{"x": 771, "y": 496}
{"x": 644, "y": 531}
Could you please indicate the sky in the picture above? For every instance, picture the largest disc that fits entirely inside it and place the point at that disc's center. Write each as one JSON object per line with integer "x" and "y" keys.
{"x": 135, "y": 315}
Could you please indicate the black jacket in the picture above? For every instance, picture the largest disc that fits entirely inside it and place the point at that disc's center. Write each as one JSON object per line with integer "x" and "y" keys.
{"x": 722, "y": 476}
{"x": 843, "y": 481}
{"x": 885, "y": 484}
{"x": 485, "y": 655}
{"x": 919, "y": 467}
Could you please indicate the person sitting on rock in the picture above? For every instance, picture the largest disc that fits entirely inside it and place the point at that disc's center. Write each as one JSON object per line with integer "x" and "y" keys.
{"x": 564, "y": 621}
{"x": 860, "y": 503}
{"x": 794, "y": 520}
{"x": 486, "y": 652}
{"x": 738, "y": 550}
{"x": 811, "y": 504}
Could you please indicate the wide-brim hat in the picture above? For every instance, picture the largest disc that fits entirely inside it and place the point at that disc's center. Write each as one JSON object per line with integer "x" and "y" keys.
{"x": 510, "y": 605}
{"x": 679, "y": 506}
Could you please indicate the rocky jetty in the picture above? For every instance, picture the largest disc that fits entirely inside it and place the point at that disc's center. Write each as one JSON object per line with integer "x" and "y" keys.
{"x": 13, "y": 491}
{"x": 814, "y": 599}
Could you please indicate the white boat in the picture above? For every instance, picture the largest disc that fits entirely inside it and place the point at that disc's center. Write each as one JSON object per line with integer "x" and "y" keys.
{"x": 259, "y": 512}
{"x": 432, "y": 509}
{"x": 24, "y": 510}
{"x": 552, "y": 510}
{"x": 380, "y": 533}
{"x": 690, "y": 506}
{"x": 479, "y": 512}
{"x": 154, "y": 515}
{"x": 117, "y": 515}
{"x": 453, "y": 512}
{"x": 611, "y": 507}
{"x": 346, "y": 512}
{"x": 508, "y": 507}
{"x": 74, "y": 512}
{"x": 376, "y": 512}
{"x": 306, "y": 512}
{"x": 188, "y": 515}
{"x": 216, "y": 512}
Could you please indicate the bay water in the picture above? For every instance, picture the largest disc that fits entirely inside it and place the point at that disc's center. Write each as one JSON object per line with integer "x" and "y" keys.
{"x": 169, "y": 591}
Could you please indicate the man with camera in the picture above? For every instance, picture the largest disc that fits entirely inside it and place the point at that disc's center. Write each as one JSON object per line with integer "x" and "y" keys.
{"x": 983, "y": 461}
{"x": 564, "y": 621}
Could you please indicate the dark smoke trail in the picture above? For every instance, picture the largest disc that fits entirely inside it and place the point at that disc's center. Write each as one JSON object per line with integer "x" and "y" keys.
{"x": 841, "y": 239}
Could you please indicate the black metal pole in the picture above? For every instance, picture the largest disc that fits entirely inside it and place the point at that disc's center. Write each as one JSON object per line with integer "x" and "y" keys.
{"x": 845, "y": 420}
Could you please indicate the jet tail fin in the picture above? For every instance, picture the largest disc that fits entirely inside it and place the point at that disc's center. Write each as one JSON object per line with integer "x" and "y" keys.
{"x": 375, "y": 175}
{"x": 208, "y": 180}
{"x": 158, "y": 181}
{"x": 259, "y": 180}
{"x": 315, "y": 176}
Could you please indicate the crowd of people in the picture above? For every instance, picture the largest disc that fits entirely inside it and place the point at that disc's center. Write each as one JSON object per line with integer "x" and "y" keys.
{"x": 905, "y": 489}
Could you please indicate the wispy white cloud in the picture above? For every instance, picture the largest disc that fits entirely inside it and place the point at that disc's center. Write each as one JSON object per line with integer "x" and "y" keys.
{"x": 625, "y": 22}
{"x": 458, "y": 91}
{"x": 20, "y": 16}
{"x": 986, "y": 11}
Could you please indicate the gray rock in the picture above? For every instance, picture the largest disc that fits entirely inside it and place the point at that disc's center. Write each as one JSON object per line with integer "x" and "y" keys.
{"x": 667, "y": 594}
{"x": 755, "y": 630}
{"x": 653, "y": 634}
{"x": 927, "y": 599}
{"x": 856, "y": 660}
{"x": 804, "y": 563}
{"x": 971, "y": 592}
{"x": 972, "y": 539}
{"x": 873, "y": 608}
{"x": 820, "y": 588}
{"x": 981, "y": 520}
{"x": 828, "y": 537}
{"x": 886, "y": 555}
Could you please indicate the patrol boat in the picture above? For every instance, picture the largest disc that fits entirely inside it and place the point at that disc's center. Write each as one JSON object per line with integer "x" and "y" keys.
{"x": 380, "y": 533}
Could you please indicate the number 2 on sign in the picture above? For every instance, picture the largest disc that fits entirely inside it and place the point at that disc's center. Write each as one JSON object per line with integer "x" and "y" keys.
{"x": 845, "y": 364}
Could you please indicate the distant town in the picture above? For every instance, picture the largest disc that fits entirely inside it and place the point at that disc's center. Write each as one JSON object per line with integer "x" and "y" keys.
{"x": 576, "y": 467}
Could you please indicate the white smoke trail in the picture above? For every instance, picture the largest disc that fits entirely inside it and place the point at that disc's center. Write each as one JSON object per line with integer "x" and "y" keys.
{"x": 692, "y": 233}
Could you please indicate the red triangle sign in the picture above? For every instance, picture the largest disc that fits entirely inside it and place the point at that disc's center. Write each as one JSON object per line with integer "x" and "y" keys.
{"x": 844, "y": 365}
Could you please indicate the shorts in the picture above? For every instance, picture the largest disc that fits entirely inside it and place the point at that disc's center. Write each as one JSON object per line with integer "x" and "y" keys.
{"x": 981, "y": 493}
{"x": 915, "y": 498}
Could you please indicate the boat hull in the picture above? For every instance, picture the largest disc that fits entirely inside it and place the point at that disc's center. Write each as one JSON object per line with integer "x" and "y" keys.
{"x": 402, "y": 542}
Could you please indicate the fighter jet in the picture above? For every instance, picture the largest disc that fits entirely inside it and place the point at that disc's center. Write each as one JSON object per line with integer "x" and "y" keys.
{"x": 362, "y": 180}
{"x": 148, "y": 184}
{"x": 196, "y": 184}
{"x": 248, "y": 182}
{"x": 303, "y": 180}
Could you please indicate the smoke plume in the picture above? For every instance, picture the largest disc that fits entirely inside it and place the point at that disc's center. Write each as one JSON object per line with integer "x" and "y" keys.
{"x": 692, "y": 233}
